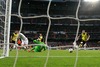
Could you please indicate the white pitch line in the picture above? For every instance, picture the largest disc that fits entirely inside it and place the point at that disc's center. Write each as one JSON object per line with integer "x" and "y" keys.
{"x": 55, "y": 56}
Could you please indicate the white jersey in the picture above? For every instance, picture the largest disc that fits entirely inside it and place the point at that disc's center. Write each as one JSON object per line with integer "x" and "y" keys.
{"x": 22, "y": 36}
{"x": 24, "y": 39}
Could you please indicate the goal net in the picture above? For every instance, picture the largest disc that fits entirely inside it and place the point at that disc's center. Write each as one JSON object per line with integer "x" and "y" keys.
{"x": 60, "y": 29}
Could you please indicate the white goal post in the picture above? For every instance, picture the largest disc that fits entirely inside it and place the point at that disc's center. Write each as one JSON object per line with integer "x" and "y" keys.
{"x": 7, "y": 20}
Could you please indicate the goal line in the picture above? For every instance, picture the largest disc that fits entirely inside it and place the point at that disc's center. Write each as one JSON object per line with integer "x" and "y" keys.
{"x": 55, "y": 56}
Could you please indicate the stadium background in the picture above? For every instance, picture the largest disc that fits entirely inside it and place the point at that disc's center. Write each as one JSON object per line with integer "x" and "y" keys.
{"x": 63, "y": 31}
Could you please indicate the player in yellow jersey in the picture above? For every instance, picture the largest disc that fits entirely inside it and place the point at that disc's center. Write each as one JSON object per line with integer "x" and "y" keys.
{"x": 84, "y": 38}
{"x": 40, "y": 38}
{"x": 13, "y": 38}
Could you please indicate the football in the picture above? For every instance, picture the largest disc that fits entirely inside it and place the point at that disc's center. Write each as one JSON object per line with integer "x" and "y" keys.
{"x": 70, "y": 50}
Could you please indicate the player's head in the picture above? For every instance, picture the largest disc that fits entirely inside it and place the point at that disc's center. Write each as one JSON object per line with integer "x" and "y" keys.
{"x": 40, "y": 34}
{"x": 83, "y": 31}
{"x": 16, "y": 31}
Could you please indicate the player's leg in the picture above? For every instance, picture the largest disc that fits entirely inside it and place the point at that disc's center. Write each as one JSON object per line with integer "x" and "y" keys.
{"x": 25, "y": 44}
{"x": 43, "y": 47}
{"x": 85, "y": 45}
{"x": 35, "y": 49}
{"x": 22, "y": 44}
{"x": 81, "y": 43}
{"x": 12, "y": 45}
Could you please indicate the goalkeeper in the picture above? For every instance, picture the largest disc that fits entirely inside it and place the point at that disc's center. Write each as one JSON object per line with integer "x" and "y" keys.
{"x": 41, "y": 45}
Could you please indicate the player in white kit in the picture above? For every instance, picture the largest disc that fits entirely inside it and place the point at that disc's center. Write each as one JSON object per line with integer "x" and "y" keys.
{"x": 24, "y": 40}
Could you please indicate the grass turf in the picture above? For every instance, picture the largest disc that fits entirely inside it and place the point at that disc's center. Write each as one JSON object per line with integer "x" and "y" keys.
{"x": 57, "y": 58}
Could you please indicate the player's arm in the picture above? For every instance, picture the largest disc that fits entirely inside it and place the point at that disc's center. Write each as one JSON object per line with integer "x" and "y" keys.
{"x": 88, "y": 37}
{"x": 11, "y": 37}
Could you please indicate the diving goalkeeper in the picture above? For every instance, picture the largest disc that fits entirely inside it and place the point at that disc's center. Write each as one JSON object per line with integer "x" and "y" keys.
{"x": 40, "y": 44}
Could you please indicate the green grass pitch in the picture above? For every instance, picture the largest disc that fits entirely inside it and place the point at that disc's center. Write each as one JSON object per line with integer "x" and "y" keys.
{"x": 57, "y": 58}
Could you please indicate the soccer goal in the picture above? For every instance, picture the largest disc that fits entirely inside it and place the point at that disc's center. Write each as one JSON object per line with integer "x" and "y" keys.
{"x": 33, "y": 17}
{"x": 5, "y": 15}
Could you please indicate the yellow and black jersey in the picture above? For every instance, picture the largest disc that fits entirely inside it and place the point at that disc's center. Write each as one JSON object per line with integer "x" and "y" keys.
{"x": 40, "y": 38}
{"x": 14, "y": 37}
{"x": 84, "y": 36}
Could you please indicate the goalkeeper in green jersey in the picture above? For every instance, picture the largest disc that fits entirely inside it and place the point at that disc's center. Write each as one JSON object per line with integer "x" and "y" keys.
{"x": 38, "y": 48}
{"x": 40, "y": 44}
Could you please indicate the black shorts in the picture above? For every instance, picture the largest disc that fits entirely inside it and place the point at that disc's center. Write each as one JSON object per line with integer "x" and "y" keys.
{"x": 83, "y": 42}
{"x": 13, "y": 41}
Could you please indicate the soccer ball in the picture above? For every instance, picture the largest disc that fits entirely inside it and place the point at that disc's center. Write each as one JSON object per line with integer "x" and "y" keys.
{"x": 70, "y": 50}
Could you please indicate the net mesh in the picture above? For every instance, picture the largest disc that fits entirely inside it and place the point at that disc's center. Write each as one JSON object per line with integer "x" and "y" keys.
{"x": 50, "y": 19}
{"x": 2, "y": 23}
{"x": 21, "y": 17}
{"x": 49, "y": 25}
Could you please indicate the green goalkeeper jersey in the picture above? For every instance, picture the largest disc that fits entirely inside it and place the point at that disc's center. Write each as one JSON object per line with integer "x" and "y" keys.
{"x": 40, "y": 47}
